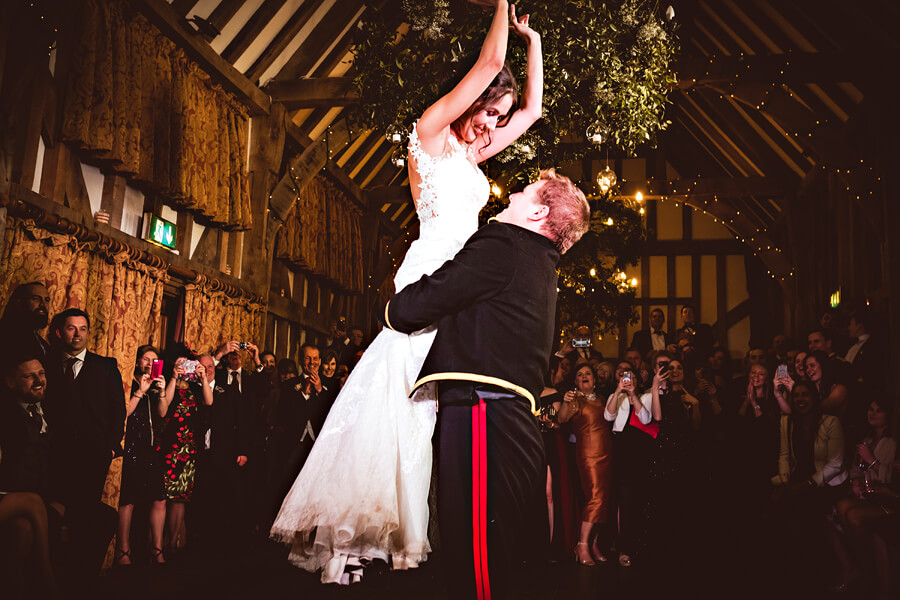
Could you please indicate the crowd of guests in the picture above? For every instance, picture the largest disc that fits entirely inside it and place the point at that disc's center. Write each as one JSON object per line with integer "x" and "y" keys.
{"x": 802, "y": 436}
{"x": 798, "y": 444}
{"x": 209, "y": 447}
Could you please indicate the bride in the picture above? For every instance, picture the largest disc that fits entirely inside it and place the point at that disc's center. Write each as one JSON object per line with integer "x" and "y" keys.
{"x": 363, "y": 492}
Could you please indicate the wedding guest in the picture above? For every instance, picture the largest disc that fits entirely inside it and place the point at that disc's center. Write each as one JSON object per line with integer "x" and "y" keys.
{"x": 699, "y": 334}
{"x": 652, "y": 338}
{"x": 328, "y": 369}
{"x": 287, "y": 369}
{"x": 302, "y": 408}
{"x": 833, "y": 395}
{"x": 633, "y": 356}
{"x": 720, "y": 365}
{"x": 578, "y": 353}
{"x": 233, "y": 444}
{"x": 24, "y": 435}
{"x": 181, "y": 435}
{"x": 856, "y": 515}
{"x": 26, "y": 314}
{"x": 756, "y": 435}
{"x": 798, "y": 366}
{"x": 811, "y": 472}
{"x": 673, "y": 468}
{"x": 593, "y": 449}
{"x": 633, "y": 442}
{"x": 867, "y": 356}
{"x": 142, "y": 472}
{"x": 85, "y": 409}
{"x": 779, "y": 350}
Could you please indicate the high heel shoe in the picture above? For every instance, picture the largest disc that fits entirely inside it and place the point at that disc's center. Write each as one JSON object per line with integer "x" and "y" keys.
{"x": 589, "y": 562}
{"x": 597, "y": 554}
{"x": 119, "y": 555}
{"x": 157, "y": 557}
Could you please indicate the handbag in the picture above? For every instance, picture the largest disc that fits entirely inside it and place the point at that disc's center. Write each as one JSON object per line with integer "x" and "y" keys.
{"x": 651, "y": 428}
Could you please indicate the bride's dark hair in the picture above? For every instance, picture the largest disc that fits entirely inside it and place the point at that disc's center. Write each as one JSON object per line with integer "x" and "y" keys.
{"x": 504, "y": 83}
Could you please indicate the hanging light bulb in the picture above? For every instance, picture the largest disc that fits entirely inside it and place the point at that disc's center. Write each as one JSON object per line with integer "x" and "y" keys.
{"x": 639, "y": 197}
{"x": 609, "y": 221}
{"x": 395, "y": 133}
{"x": 606, "y": 179}
{"x": 593, "y": 272}
{"x": 496, "y": 191}
{"x": 398, "y": 158}
{"x": 634, "y": 282}
{"x": 597, "y": 132}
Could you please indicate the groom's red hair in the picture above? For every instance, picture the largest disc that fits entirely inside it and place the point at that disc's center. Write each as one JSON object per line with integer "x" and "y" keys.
{"x": 570, "y": 215}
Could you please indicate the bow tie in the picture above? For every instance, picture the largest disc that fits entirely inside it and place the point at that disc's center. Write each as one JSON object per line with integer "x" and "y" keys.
{"x": 656, "y": 332}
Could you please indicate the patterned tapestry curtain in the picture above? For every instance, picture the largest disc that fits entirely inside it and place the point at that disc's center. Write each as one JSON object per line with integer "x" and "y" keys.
{"x": 122, "y": 297}
{"x": 211, "y": 318}
{"x": 322, "y": 234}
{"x": 135, "y": 102}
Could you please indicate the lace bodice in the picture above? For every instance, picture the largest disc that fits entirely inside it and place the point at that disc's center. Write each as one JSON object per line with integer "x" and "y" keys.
{"x": 453, "y": 190}
{"x": 452, "y": 193}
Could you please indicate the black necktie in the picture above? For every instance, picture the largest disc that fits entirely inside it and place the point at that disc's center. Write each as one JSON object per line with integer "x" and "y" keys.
{"x": 70, "y": 369}
{"x": 35, "y": 418}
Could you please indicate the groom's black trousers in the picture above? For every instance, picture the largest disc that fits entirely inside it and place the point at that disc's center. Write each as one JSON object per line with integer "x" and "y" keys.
{"x": 513, "y": 480}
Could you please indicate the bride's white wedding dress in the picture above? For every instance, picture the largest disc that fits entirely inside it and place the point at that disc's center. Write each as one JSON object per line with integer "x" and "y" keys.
{"x": 363, "y": 492}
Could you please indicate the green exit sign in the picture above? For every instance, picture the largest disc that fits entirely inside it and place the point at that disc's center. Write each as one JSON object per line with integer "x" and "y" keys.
{"x": 159, "y": 231}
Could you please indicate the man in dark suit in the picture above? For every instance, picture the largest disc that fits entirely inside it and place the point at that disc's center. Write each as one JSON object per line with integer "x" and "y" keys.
{"x": 494, "y": 305}
{"x": 700, "y": 335}
{"x": 24, "y": 437}
{"x": 223, "y": 485}
{"x": 25, "y": 316}
{"x": 85, "y": 409}
{"x": 652, "y": 338}
{"x": 303, "y": 405}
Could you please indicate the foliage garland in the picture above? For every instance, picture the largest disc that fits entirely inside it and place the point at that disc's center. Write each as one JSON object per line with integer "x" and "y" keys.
{"x": 609, "y": 61}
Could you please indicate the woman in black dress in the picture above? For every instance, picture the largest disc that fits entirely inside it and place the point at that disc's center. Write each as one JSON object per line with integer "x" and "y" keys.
{"x": 142, "y": 475}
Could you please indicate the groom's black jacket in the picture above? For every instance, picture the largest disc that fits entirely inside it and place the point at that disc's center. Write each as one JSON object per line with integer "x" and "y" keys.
{"x": 494, "y": 305}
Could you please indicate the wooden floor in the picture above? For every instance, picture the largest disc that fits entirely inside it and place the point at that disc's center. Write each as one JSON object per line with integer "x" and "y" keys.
{"x": 721, "y": 561}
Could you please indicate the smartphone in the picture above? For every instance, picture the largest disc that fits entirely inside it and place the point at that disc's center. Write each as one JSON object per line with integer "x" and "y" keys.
{"x": 626, "y": 376}
{"x": 156, "y": 369}
{"x": 663, "y": 366}
{"x": 781, "y": 371}
{"x": 581, "y": 342}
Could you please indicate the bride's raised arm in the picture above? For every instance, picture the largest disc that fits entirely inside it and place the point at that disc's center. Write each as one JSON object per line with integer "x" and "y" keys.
{"x": 530, "y": 105}
{"x": 433, "y": 126}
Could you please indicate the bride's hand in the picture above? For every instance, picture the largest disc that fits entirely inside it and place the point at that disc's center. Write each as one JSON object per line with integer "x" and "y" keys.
{"x": 520, "y": 25}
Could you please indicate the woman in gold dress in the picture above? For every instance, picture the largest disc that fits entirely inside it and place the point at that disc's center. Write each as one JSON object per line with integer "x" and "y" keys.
{"x": 593, "y": 454}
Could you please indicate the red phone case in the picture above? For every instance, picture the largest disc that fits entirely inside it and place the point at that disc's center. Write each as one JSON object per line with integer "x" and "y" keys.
{"x": 156, "y": 369}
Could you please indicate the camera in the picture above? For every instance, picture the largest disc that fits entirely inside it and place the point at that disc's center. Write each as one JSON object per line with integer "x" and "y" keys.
{"x": 243, "y": 345}
{"x": 581, "y": 342}
{"x": 190, "y": 369}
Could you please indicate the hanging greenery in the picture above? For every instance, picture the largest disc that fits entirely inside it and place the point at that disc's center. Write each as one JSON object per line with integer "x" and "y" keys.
{"x": 609, "y": 61}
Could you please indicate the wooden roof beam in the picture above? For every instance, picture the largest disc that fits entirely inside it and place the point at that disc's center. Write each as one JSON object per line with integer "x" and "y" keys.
{"x": 791, "y": 67}
{"x": 176, "y": 29}
{"x": 313, "y": 92}
{"x": 721, "y": 187}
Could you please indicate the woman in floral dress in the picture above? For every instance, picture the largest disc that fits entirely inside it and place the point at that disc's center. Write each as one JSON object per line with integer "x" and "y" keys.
{"x": 179, "y": 440}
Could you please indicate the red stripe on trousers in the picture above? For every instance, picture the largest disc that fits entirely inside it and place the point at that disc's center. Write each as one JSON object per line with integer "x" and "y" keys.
{"x": 479, "y": 500}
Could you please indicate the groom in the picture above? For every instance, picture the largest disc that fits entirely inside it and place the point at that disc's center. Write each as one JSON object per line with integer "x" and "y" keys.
{"x": 494, "y": 305}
